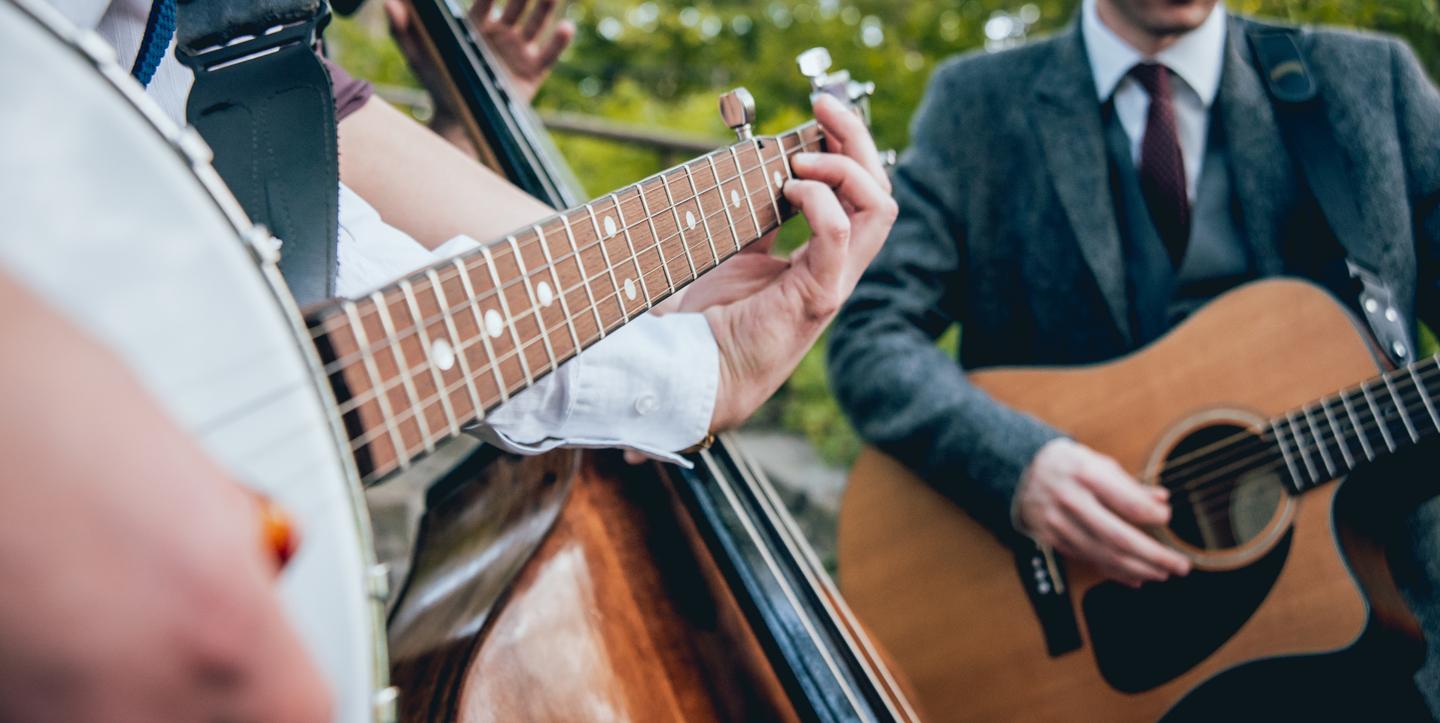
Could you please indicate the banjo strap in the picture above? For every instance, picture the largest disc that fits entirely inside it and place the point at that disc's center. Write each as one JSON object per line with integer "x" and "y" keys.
{"x": 262, "y": 101}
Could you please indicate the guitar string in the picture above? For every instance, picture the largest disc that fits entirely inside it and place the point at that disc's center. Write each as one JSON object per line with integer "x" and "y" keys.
{"x": 532, "y": 310}
{"x": 447, "y": 267}
{"x": 1197, "y": 496}
{"x": 1205, "y": 455}
{"x": 430, "y": 401}
{"x": 427, "y": 404}
{"x": 1409, "y": 394}
{"x": 741, "y": 173}
{"x": 764, "y": 195}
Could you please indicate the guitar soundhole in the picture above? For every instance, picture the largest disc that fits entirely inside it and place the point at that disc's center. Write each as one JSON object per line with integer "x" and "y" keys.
{"x": 1213, "y": 508}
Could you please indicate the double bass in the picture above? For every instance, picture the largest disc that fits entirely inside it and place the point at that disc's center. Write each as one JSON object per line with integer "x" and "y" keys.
{"x": 576, "y": 587}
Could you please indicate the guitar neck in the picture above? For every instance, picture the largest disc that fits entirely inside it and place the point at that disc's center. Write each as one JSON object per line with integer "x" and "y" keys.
{"x": 1330, "y": 437}
{"x": 414, "y": 363}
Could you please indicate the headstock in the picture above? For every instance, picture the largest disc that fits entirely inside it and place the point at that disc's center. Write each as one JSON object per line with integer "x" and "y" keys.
{"x": 815, "y": 65}
{"x": 737, "y": 107}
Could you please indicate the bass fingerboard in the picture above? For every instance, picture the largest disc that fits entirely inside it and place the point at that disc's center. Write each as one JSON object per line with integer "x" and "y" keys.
{"x": 414, "y": 363}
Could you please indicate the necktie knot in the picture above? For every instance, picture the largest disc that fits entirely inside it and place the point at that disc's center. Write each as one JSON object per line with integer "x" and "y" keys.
{"x": 1154, "y": 78}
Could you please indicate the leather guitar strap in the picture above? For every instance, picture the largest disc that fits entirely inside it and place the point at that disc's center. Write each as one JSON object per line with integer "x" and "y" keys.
{"x": 262, "y": 102}
{"x": 1300, "y": 111}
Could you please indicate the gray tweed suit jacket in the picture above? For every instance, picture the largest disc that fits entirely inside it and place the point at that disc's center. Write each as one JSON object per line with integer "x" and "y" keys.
{"x": 1007, "y": 227}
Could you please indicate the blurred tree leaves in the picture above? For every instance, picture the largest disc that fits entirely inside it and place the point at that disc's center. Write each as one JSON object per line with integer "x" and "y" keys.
{"x": 662, "y": 63}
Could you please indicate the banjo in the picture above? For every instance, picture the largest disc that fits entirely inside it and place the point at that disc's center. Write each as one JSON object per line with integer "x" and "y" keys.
{"x": 308, "y": 408}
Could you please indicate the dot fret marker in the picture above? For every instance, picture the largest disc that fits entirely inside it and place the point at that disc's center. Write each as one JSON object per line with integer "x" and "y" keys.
{"x": 494, "y": 323}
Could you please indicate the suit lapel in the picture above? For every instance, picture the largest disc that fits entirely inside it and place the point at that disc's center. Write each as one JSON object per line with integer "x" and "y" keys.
{"x": 1260, "y": 166}
{"x": 1066, "y": 118}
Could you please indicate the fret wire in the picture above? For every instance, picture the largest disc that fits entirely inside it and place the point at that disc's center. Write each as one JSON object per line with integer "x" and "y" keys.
{"x": 745, "y": 185}
{"x": 655, "y": 234}
{"x": 534, "y": 303}
{"x": 1420, "y": 388}
{"x": 720, "y": 191}
{"x": 475, "y": 403}
{"x": 1404, "y": 418}
{"x": 1301, "y": 446}
{"x": 584, "y": 275}
{"x": 409, "y": 384}
{"x": 482, "y": 332}
{"x": 495, "y": 365}
{"x": 634, "y": 256}
{"x": 559, "y": 289}
{"x": 765, "y": 174}
{"x": 1359, "y": 431}
{"x": 609, "y": 265}
{"x": 1275, "y": 430}
{"x": 1379, "y": 420}
{"x": 1319, "y": 442}
{"x": 1339, "y": 435}
{"x": 795, "y": 132}
{"x": 509, "y": 318}
{"x": 357, "y": 330}
{"x": 706, "y": 217}
{"x": 427, "y": 353}
{"x": 700, "y": 207}
{"x": 473, "y": 301}
{"x": 679, "y": 228}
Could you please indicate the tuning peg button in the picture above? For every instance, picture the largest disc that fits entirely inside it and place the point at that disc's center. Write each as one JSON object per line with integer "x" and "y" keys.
{"x": 737, "y": 108}
{"x": 814, "y": 63}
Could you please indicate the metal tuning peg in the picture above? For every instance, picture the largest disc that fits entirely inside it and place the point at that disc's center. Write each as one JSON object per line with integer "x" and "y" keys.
{"x": 737, "y": 108}
{"x": 815, "y": 65}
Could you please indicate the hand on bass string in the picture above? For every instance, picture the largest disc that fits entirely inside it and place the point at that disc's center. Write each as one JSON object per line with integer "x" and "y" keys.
{"x": 528, "y": 43}
{"x": 1083, "y": 504}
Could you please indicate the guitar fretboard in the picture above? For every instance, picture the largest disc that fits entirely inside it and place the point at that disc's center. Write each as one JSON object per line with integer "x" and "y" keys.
{"x": 413, "y": 363}
{"x": 1328, "y": 438}
{"x": 1323, "y": 440}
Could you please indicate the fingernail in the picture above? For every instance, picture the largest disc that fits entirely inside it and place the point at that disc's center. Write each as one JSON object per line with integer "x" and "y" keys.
{"x": 803, "y": 159}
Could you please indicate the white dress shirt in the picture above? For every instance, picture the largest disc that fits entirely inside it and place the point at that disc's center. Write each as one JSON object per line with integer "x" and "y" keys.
{"x": 650, "y": 387}
{"x": 1196, "y": 58}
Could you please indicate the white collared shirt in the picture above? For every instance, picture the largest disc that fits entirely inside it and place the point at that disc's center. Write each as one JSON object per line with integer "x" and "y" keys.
{"x": 650, "y": 387}
{"x": 1196, "y": 59}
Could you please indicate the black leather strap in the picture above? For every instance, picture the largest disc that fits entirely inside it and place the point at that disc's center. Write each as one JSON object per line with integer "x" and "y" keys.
{"x": 1300, "y": 111}
{"x": 262, "y": 101}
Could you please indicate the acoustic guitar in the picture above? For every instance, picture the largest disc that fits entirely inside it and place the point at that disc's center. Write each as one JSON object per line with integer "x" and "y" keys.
{"x": 1235, "y": 412}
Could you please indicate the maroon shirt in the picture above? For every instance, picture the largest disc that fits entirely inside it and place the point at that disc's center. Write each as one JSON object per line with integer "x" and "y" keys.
{"x": 350, "y": 92}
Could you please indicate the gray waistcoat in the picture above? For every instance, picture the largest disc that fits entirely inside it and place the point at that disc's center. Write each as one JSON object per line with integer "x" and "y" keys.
{"x": 1217, "y": 257}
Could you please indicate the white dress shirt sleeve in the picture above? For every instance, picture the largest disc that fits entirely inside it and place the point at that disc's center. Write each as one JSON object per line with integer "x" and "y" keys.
{"x": 649, "y": 386}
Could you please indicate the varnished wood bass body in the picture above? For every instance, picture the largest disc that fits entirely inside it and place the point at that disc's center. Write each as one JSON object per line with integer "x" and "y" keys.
{"x": 946, "y": 598}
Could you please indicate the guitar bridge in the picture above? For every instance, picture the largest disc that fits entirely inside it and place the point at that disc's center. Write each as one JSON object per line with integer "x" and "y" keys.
{"x": 1043, "y": 578}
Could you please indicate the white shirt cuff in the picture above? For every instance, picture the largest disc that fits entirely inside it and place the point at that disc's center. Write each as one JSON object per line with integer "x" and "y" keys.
{"x": 649, "y": 386}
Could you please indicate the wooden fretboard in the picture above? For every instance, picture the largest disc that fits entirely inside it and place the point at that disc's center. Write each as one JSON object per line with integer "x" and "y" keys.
{"x": 415, "y": 362}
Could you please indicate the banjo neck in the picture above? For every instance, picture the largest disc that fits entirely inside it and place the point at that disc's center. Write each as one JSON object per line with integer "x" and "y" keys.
{"x": 416, "y": 362}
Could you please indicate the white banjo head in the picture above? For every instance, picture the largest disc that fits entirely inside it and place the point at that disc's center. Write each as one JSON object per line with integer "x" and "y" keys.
{"x": 114, "y": 216}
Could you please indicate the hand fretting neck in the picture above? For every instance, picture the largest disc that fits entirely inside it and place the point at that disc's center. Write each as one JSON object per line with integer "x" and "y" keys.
{"x": 414, "y": 363}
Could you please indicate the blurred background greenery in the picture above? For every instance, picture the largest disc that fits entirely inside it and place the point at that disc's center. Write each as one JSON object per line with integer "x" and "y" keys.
{"x": 660, "y": 64}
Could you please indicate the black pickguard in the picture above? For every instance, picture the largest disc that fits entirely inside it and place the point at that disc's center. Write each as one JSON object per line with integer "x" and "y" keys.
{"x": 1145, "y": 638}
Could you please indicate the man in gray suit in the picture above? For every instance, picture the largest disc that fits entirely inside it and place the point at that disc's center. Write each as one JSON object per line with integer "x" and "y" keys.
{"x": 1067, "y": 202}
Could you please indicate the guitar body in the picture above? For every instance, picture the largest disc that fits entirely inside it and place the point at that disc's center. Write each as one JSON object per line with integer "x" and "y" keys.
{"x": 945, "y": 596}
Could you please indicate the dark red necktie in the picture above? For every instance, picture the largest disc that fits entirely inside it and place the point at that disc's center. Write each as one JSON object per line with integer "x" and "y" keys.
{"x": 1162, "y": 165}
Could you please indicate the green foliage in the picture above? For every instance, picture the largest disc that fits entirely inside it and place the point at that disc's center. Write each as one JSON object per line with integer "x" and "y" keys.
{"x": 662, "y": 63}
